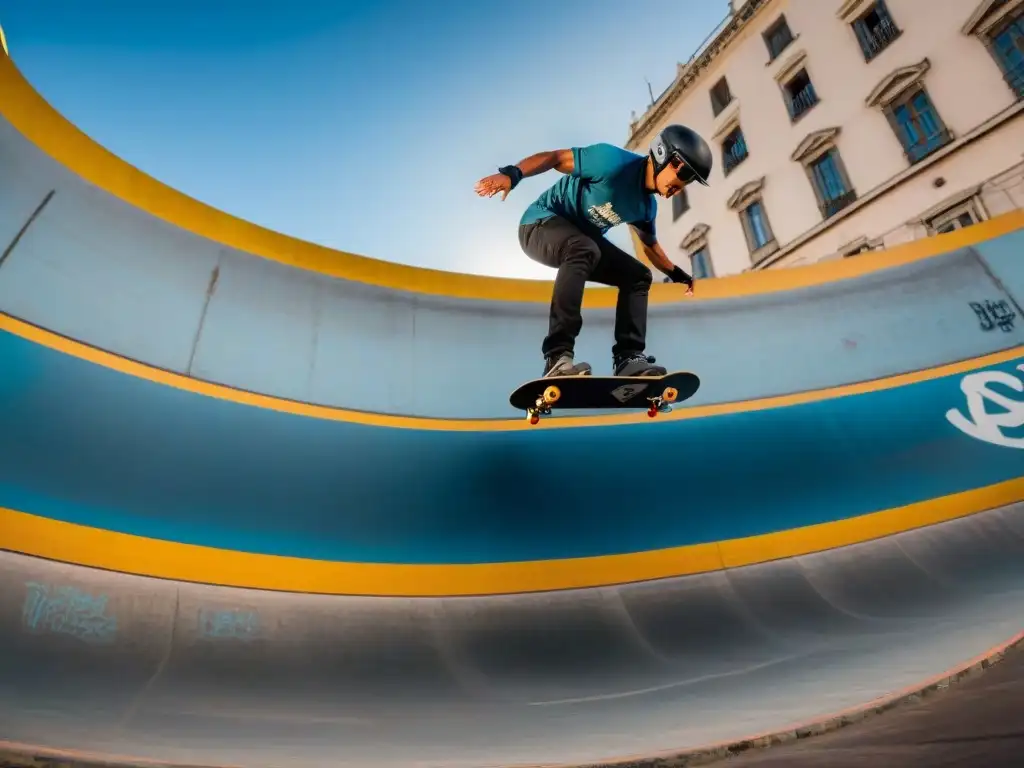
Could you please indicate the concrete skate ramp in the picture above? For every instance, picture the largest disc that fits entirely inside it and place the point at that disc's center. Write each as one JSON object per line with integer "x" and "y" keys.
{"x": 106, "y": 663}
{"x": 721, "y": 603}
{"x": 113, "y": 465}
{"x": 834, "y": 519}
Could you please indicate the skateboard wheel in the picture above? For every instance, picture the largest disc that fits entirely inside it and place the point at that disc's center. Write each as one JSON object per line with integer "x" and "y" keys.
{"x": 670, "y": 394}
{"x": 652, "y": 412}
{"x": 534, "y": 419}
{"x": 551, "y": 394}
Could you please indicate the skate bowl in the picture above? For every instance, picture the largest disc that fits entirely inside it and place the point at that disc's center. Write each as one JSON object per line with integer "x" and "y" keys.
{"x": 219, "y": 548}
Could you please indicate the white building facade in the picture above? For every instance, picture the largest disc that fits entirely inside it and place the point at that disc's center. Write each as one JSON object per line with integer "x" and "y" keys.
{"x": 842, "y": 126}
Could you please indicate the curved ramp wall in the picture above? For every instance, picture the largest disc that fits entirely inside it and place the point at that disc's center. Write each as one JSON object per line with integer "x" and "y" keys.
{"x": 180, "y": 480}
{"x": 105, "y": 255}
{"x": 127, "y": 469}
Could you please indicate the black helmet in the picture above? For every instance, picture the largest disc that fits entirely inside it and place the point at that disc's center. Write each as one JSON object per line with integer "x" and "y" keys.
{"x": 679, "y": 143}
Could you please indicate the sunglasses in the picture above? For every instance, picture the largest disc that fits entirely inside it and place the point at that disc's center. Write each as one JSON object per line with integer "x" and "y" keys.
{"x": 684, "y": 173}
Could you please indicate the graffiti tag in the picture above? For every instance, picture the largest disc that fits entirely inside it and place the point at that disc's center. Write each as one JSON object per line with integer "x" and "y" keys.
{"x": 68, "y": 611}
{"x": 982, "y": 424}
{"x": 229, "y": 624}
{"x": 994, "y": 314}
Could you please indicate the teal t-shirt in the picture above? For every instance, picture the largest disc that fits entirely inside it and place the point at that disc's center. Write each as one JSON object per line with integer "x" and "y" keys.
{"x": 606, "y": 188}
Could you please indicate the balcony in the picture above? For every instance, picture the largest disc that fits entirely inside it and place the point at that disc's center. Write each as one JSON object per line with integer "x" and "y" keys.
{"x": 876, "y": 38}
{"x": 734, "y": 153}
{"x": 801, "y": 100}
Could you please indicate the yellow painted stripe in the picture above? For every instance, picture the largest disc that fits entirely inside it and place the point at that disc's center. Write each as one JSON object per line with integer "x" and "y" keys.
{"x": 67, "y": 542}
{"x": 43, "y": 126}
{"x": 817, "y": 538}
{"x": 114, "y": 362}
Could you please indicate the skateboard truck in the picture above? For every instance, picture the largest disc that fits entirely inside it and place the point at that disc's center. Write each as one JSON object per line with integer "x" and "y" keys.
{"x": 542, "y": 405}
{"x": 662, "y": 403}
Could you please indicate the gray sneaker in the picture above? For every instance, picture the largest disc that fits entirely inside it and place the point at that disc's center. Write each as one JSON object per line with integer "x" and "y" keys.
{"x": 638, "y": 364}
{"x": 564, "y": 365}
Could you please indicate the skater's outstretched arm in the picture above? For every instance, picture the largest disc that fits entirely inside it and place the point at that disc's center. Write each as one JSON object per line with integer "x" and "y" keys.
{"x": 560, "y": 160}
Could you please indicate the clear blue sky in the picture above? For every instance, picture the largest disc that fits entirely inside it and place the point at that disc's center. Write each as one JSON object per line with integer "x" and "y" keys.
{"x": 362, "y": 127}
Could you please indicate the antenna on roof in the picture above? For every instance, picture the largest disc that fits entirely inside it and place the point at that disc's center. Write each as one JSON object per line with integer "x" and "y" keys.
{"x": 650, "y": 90}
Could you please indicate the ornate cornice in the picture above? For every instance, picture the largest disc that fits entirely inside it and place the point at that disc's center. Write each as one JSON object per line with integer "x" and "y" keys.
{"x": 896, "y": 82}
{"x": 814, "y": 144}
{"x": 989, "y": 13}
{"x": 745, "y": 194}
{"x": 789, "y": 68}
{"x": 696, "y": 236}
{"x": 851, "y": 9}
{"x": 690, "y": 72}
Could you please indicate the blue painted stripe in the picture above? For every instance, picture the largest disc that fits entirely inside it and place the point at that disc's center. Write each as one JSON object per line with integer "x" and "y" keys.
{"x": 85, "y": 444}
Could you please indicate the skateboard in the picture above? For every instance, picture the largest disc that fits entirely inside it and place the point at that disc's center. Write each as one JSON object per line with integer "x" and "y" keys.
{"x": 655, "y": 393}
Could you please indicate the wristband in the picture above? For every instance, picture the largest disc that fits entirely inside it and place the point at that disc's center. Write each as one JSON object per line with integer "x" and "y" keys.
{"x": 513, "y": 172}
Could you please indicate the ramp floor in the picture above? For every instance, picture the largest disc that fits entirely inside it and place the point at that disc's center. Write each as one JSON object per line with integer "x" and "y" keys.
{"x": 194, "y": 674}
{"x": 976, "y": 722}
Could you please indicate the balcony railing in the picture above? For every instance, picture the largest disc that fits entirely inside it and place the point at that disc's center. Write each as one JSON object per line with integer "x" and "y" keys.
{"x": 802, "y": 100}
{"x": 735, "y": 154}
{"x": 876, "y": 39}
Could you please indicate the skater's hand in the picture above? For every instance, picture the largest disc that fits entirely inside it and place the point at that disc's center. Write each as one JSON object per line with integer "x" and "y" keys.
{"x": 489, "y": 186}
{"x": 677, "y": 275}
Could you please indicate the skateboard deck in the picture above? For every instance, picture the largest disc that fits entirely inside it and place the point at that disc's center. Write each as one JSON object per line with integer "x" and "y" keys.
{"x": 653, "y": 393}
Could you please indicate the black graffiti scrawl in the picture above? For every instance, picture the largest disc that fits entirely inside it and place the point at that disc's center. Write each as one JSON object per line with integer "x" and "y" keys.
{"x": 994, "y": 314}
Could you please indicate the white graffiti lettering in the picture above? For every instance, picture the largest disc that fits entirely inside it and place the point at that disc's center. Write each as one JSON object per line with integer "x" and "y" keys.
{"x": 980, "y": 423}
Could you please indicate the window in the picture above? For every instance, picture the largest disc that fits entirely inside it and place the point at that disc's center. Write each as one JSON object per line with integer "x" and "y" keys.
{"x": 734, "y": 150}
{"x": 777, "y": 37}
{"x": 917, "y": 124}
{"x": 960, "y": 209}
{"x": 961, "y": 216}
{"x": 875, "y": 30}
{"x": 819, "y": 155}
{"x": 1007, "y": 46}
{"x": 695, "y": 245}
{"x": 680, "y": 204}
{"x": 857, "y": 250}
{"x": 859, "y": 246}
{"x": 720, "y": 96}
{"x": 903, "y": 98}
{"x": 959, "y": 221}
{"x": 755, "y": 224}
{"x": 748, "y": 202}
{"x": 799, "y": 94}
{"x": 700, "y": 264}
{"x": 830, "y": 183}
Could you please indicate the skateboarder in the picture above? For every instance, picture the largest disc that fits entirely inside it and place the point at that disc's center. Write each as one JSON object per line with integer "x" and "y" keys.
{"x": 564, "y": 228}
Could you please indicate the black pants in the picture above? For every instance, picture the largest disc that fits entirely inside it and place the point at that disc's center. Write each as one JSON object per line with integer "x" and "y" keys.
{"x": 580, "y": 255}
